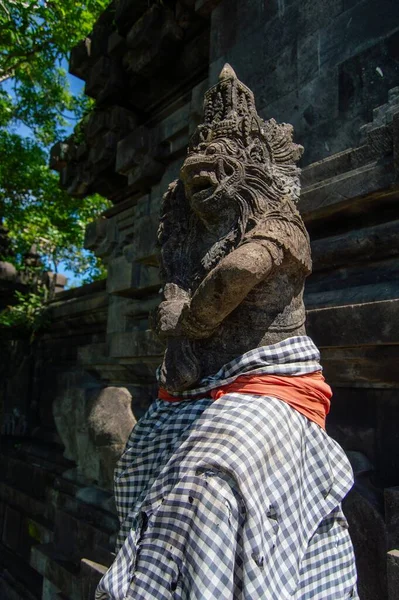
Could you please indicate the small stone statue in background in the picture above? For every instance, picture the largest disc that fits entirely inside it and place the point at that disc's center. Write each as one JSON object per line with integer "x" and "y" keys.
{"x": 235, "y": 252}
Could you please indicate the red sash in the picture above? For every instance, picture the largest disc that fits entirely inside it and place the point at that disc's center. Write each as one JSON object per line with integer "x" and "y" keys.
{"x": 308, "y": 394}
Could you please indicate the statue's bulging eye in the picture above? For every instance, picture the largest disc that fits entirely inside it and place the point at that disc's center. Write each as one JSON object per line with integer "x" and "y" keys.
{"x": 211, "y": 150}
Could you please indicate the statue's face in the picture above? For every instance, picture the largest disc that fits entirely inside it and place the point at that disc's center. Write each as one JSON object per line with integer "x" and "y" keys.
{"x": 211, "y": 173}
{"x": 215, "y": 171}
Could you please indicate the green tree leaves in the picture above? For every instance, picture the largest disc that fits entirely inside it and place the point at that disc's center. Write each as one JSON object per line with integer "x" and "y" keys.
{"x": 36, "y": 106}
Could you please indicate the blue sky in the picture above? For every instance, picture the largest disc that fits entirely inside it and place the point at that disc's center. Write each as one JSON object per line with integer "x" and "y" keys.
{"x": 76, "y": 86}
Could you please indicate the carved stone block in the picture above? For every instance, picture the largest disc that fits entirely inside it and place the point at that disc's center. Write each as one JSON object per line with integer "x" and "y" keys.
{"x": 393, "y": 574}
{"x": 205, "y": 7}
{"x": 153, "y": 40}
{"x": 80, "y": 61}
{"x": 127, "y": 12}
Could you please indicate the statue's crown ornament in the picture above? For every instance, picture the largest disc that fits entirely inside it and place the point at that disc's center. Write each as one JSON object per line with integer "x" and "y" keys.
{"x": 229, "y": 105}
{"x": 230, "y": 112}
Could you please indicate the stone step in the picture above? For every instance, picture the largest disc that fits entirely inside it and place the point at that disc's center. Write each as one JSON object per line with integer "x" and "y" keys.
{"x": 91, "y": 573}
{"x": 52, "y": 565}
{"x": 18, "y": 580}
{"x": 63, "y": 579}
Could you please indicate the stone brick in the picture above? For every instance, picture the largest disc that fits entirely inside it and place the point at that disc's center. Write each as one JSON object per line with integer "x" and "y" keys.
{"x": 129, "y": 279}
{"x": 224, "y": 28}
{"x": 311, "y": 109}
{"x": 277, "y": 77}
{"x": 61, "y": 573}
{"x": 153, "y": 40}
{"x": 393, "y": 574}
{"x": 363, "y": 366}
{"x": 350, "y": 325}
{"x": 367, "y": 180}
{"x": 127, "y": 12}
{"x": 391, "y": 497}
{"x": 251, "y": 14}
{"x": 11, "y": 528}
{"x": 91, "y": 573}
{"x": 366, "y": 527}
{"x": 135, "y": 344}
{"x": 368, "y": 243}
{"x": 308, "y": 58}
{"x": 79, "y": 62}
{"x": 205, "y": 7}
{"x": 387, "y": 440}
{"x": 50, "y": 591}
{"x": 367, "y": 77}
{"x": 366, "y": 22}
{"x": 116, "y": 45}
{"x": 317, "y": 15}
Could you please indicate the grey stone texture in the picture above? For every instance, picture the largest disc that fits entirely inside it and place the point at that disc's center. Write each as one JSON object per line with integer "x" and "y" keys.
{"x": 393, "y": 574}
{"x": 234, "y": 249}
{"x": 329, "y": 67}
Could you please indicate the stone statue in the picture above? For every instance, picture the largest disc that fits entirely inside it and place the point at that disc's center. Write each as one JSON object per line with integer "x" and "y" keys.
{"x": 229, "y": 485}
{"x": 234, "y": 250}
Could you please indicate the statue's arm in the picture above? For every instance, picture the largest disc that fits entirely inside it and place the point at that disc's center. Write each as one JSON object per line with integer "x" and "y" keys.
{"x": 225, "y": 287}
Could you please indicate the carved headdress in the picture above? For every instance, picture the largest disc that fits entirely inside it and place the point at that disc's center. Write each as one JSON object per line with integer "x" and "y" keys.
{"x": 230, "y": 114}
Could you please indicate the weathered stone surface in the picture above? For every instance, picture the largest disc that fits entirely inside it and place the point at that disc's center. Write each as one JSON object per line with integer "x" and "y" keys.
{"x": 370, "y": 179}
{"x": 127, "y": 12}
{"x": 331, "y": 69}
{"x": 361, "y": 24}
{"x": 362, "y": 366}
{"x": 105, "y": 81}
{"x": 110, "y": 421}
{"x": 63, "y": 574}
{"x": 367, "y": 530}
{"x": 393, "y": 574}
{"x": 212, "y": 257}
{"x": 91, "y": 573}
{"x": 132, "y": 280}
{"x": 362, "y": 244}
{"x": 94, "y": 426}
{"x": 11, "y": 528}
{"x": 50, "y": 591}
{"x": 152, "y": 40}
{"x": 355, "y": 325}
{"x": 391, "y": 497}
{"x": 205, "y": 7}
{"x": 79, "y": 62}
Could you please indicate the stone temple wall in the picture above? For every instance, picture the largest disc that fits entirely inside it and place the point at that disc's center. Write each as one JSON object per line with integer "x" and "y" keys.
{"x": 331, "y": 68}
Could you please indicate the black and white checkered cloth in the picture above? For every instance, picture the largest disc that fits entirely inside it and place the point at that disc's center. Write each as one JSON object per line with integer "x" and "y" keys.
{"x": 237, "y": 499}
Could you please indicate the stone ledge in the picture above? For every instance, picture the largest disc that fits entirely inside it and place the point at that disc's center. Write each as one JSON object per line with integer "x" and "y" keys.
{"x": 372, "y": 181}
{"x": 365, "y": 324}
{"x": 367, "y": 366}
{"x": 91, "y": 572}
{"x": 53, "y": 566}
{"x": 367, "y": 243}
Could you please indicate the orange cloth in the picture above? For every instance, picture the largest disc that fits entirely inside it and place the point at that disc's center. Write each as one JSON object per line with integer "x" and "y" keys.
{"x": 308, "y": 394}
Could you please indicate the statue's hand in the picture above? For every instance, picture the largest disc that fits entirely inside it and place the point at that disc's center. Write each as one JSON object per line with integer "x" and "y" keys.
{"x": 167, "y": 319}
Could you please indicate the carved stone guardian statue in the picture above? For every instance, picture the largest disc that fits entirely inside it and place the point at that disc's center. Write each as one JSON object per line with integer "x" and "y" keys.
{"x": 229, "y": 486}
{"x": 234, "y": 249}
